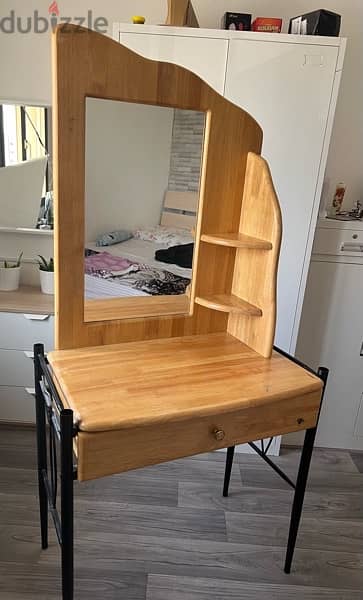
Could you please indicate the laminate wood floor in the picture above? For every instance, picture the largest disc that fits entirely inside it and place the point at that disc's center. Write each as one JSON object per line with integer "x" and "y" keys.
{"x": 166, "y": 533}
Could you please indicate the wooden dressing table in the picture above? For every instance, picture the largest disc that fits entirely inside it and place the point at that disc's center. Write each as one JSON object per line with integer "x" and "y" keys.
{"x": 126, "y": 393}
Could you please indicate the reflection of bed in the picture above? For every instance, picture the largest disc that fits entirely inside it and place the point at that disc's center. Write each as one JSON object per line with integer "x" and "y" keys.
{"x": 179, "y": 212}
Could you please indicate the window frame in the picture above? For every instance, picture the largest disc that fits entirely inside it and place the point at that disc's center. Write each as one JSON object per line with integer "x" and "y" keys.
{"x": 47, "y": 116}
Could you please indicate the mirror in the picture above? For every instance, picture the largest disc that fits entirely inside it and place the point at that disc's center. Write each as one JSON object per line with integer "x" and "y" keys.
{"x": 143, "y": 171}
{"x": 25, "y": 166}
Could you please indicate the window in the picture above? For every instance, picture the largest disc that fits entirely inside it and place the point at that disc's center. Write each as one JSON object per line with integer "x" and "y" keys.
{"x": 24, "y": 135}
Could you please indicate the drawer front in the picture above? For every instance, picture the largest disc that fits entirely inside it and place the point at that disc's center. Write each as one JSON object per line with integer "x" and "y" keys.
{"x": 16, "y": 405}
{"x": 21, "y": 332}
{"x": 339, "y": 242}
{"x": 110, "y": 452}
{"x": 16, "y": 369}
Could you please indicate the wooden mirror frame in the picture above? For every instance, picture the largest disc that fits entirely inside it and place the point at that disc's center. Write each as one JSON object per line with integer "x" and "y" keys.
{"x": 87, "y": 64}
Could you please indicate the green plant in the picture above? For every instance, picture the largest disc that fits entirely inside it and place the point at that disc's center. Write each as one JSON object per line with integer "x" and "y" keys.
{"x": 46, "y": 265}
{"x": 16, "y": 265}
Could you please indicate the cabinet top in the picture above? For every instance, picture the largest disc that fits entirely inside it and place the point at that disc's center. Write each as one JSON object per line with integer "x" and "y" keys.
{"x": 28, "y": 300}
{"x": 225, "y": 34}
{"x": 325, "y": 223}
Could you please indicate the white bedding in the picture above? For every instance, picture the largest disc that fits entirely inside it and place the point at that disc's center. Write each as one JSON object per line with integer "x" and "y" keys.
{"x": 142, "y": 252}
{"x": 97, "y": 288}
{"x": 135, "y": 250}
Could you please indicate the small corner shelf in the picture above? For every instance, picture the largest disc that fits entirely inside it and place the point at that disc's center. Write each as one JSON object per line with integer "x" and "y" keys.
{"x": 229, "y": 304}
{"x": 236, "y": 240}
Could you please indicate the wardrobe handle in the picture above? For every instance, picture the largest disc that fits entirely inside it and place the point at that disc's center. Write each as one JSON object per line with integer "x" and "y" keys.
{"x": 351, "y": 247}
{"x": 37, "y": 317}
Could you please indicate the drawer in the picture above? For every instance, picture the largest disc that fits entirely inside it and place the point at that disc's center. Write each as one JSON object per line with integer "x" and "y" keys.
{"x": 16, "y": 405}
{"x": 338, "y": 242}
{"x": 16, "y": 369}
{"x": 109, "y": 452}
{"x": 21, "y": 332}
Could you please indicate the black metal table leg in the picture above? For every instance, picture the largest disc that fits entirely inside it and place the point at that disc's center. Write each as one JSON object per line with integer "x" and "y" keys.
{"x": 60, "y": 420}
{"x": 301, "y": 482}
{"x": 228, "y": 471}
{"x": 41, "y": 446}
{"x": 66, "y": 433}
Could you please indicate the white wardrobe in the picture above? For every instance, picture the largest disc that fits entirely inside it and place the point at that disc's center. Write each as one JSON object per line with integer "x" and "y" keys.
{"x": 290, "y": 85}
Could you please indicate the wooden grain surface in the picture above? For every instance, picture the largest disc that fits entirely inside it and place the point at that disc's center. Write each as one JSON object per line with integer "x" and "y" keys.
{"x": 27, "y": 300}
{"x": 177, "y": 12}
{"x": 110, "y": 452}
{"x": 149, "y": 383}
{"x": 87, "y": 64}
{"x": 236, "y": 240}
{"x": 148, "y": 402}
{"x": 229, "y": 303}
{"x": 136, "y": 537}
{"x": 136, "y": 307}
{"x": 255, "y": 271}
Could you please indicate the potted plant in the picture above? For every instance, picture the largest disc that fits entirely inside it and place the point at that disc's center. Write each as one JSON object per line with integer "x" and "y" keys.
{"x": 10, "y": 275}
{"x": 46, "y": 270}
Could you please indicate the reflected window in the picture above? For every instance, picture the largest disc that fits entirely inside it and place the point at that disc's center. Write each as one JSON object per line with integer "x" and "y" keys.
{"x": 25, "y": 135}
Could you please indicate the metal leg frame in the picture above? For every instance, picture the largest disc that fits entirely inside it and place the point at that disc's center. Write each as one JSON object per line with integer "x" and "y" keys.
{"x": 303, "y": 472}
{"x": 61, "y": 428}
{"x": 49, "y": 408}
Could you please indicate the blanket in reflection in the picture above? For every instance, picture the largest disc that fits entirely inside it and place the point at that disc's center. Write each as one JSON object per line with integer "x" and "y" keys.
{"x": 156, "y": 282}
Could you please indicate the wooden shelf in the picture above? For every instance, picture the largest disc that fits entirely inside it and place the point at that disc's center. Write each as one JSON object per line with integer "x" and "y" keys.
{"x": 27, "y": 231}
{"x": 236, "y": 240}
{"x": 27, "y": 300}
{"x": 229, "y": 304}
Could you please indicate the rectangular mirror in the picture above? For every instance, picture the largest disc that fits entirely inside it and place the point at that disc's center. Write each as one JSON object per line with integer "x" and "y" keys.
{"x": 25, "y": 166}
{"x": 143, "y": 168}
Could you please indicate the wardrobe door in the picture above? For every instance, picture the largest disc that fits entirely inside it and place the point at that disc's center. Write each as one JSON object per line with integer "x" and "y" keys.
{"x": 288, "y": 87}
{"x": 207, "y": 57}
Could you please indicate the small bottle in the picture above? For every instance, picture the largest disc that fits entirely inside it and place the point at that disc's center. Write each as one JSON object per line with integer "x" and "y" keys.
{"x": 336, "y": 207}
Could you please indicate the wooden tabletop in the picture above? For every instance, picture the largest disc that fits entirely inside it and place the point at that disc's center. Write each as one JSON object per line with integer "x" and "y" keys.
{"x": 27, "y": 300}
{"x": 154, "y": 382}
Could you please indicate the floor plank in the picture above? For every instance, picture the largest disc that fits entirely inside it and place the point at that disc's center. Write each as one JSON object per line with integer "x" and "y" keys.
{"x": 166, "y": 532}
{"x": 319, "y": 534}
{"x": 163, "y": 587}
{"x": 330, "y": 504}
{"x": 357, "y": 458}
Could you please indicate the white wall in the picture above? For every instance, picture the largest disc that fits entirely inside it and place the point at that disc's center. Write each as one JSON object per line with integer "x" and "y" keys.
{"x": 25, "y": 63}
{"x": 128, "y": 150}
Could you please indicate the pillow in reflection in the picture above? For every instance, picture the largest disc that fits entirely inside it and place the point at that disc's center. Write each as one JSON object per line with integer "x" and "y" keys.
{"x": 167, "y": 236}
{"x": 115, "y": 237}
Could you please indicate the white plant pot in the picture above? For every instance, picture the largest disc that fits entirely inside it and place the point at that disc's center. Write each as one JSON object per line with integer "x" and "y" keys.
{"x": 47, "y": 282}
{"x": 9, "y": 279}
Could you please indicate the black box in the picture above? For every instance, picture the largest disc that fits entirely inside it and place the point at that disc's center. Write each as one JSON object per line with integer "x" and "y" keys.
{"x": 237, "y": 21}
{"x": 319, "y": 22}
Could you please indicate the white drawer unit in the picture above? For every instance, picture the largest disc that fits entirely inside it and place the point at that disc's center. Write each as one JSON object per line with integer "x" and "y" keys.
{"x": 18, "y": 334}
{"x": 17, "y": 405}
{"x": 16, "y": 368}
{"x": 339, "y": 242}
{"x": 331, "y": 332}
{"x": 21, "y": 332}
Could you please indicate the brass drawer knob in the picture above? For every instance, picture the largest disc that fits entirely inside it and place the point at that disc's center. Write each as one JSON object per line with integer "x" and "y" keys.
{"x": 219, "y": 434}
